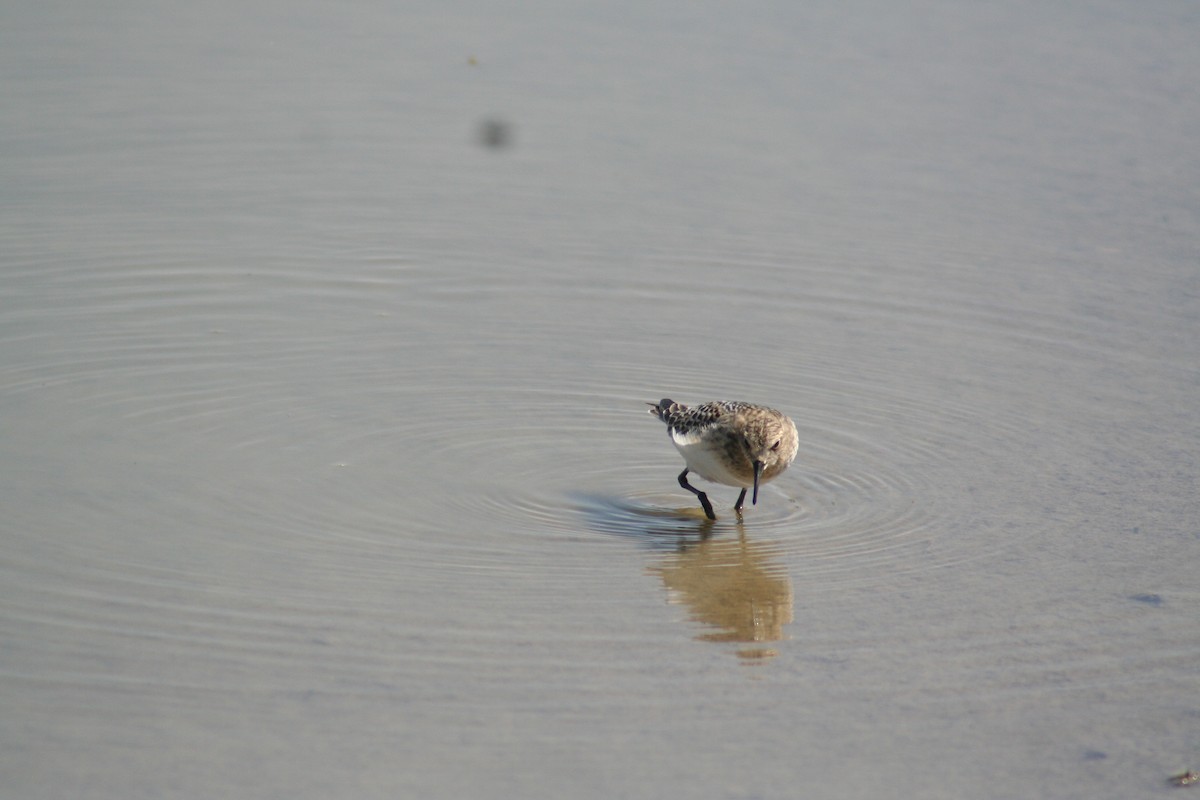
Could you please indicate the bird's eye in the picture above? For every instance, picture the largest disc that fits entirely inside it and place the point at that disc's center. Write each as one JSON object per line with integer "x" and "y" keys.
{"x": 775, "y": 446}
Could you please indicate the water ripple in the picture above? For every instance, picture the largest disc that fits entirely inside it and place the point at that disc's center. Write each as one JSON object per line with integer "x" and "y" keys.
{"x": 295, "y": 446}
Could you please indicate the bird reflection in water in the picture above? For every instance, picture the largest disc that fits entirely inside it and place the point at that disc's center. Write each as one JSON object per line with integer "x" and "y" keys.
{"x": 732, "y": 586}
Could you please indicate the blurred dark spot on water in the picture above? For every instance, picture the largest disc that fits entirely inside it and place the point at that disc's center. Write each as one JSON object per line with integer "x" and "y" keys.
{"x": 495, "y": 133}
{"x": 1148, "y": 599}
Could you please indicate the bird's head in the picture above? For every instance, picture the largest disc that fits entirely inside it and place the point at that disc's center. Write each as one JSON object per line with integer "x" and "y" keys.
{"x": 771, "y": 444}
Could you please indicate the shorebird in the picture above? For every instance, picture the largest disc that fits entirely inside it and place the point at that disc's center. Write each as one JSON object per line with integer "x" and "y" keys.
{"x": 737, "y": 444}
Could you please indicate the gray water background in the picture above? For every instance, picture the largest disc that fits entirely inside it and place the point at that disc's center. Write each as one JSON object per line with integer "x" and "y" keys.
{"x": 326, "y": 469}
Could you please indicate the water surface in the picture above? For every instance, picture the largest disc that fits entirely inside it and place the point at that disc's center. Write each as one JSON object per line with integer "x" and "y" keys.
{"x": 326, "y": 464}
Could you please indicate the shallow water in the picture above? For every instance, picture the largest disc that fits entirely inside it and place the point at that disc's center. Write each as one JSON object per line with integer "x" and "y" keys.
{"x": 327, "y": 467}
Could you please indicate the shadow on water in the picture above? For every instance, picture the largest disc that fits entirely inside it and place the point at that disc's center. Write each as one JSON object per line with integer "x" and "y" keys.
{"x": 655, "y": 527}
{"x": 733, "y": 586}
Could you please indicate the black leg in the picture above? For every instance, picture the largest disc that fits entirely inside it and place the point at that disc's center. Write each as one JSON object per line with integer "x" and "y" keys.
{"x": 703, "y": 497}
{"x": 741, "y": 497}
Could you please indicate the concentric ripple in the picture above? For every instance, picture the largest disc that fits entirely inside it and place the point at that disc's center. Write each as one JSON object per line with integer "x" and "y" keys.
{"x": 255, "y": 444}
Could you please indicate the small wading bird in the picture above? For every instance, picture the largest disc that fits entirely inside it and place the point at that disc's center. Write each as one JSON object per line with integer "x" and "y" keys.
{"x": 737, "y": 444}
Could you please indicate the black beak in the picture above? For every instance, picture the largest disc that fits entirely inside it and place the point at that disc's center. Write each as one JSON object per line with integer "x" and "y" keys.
{"x": 758, "y": 465}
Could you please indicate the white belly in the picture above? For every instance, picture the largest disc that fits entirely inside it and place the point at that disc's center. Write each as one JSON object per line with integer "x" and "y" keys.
{"x": 709, "y": 462}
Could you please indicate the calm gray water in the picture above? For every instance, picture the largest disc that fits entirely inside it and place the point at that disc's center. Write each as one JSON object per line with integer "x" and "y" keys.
{"x": 326, "y": 464}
